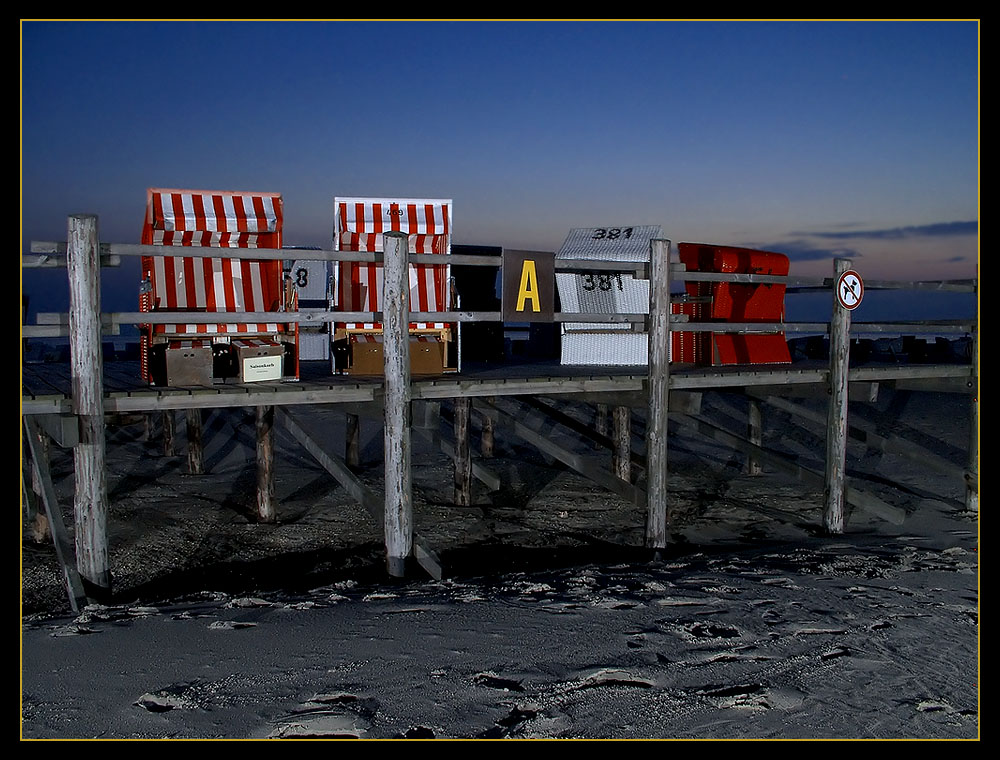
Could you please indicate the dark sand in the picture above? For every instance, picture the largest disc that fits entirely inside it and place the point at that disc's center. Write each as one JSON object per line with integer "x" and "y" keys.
{"x": 551, "y": 622}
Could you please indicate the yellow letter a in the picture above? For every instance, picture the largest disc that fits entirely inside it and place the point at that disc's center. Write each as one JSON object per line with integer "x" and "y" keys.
{"x": 529, "y": 287}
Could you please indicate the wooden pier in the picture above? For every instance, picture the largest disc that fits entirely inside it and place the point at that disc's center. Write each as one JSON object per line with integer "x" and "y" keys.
{"x": 70, "y": 409}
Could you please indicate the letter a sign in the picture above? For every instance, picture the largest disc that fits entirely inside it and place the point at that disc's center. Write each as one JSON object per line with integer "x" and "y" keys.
{"x": 528, "y": 286}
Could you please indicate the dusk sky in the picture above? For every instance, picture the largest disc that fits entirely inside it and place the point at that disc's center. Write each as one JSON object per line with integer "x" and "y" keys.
{"x": 814, "y": 139}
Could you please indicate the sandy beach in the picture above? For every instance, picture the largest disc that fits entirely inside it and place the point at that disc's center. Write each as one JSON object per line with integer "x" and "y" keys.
{"x": 551, "y": 621}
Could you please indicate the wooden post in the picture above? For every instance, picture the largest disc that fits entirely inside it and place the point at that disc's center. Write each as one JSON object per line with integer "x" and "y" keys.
{"x": 622, "y": 459}
{"x": 65, "y": 551}
{"x": 147, "y": 426}
{"x": 169, "y": 429}
{"x": 24, "y": 321}
{"x": 40, "y": 530}
{"x": 398, "y": 483}
{"x": 463, "y": 455}
{"x": 265, "y": 464}
{"x": 601, "y": 423}
{"x": 90, "y": 504}
{"x": 836, "y": 420}
{"x": 487, "y": 443}
{"x": 353, "y": 443}
{"x": 755, "y": 433}
{"x": 972, "y": 474}
{"x": 196, "y": 458}
{"x": 657, "y": 522}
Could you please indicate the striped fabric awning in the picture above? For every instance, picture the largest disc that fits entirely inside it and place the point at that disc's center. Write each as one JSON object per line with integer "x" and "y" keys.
{"x": 359, "y": 226}
{"x": 212, "y": 219}
{"x": 219, "y": 328}
{"x": 218, "y": 220}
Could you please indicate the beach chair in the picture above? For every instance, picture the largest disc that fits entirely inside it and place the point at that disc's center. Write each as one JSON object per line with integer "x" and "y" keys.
{"x": 359, "y": 225}
{"x": 735, "y": 302}
{"x": 232, "y": 349}
{"x": 605, "y": 292}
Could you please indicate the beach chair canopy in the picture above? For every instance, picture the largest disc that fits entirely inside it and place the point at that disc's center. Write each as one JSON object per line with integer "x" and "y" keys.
{"x": 359, "y": 225}
{"x": 212, "y": 219}
{"x": 195, "y": 218}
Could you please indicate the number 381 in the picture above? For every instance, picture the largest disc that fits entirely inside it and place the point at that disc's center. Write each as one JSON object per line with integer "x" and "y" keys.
{"x": 599, "y": 281}
{"x": 611, "y": 233}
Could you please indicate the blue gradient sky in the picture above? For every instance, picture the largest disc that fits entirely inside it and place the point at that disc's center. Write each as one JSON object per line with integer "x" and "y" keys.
{"x": 814, "y": 139}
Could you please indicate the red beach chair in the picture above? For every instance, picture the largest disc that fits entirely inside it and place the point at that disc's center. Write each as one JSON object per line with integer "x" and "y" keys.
{"x": 232, "y": 348}
{"x": 733, "y": 302}
{"x": 359, "y": 225}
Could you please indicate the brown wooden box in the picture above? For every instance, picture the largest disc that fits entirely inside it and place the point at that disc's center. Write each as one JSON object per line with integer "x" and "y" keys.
{"x": 426, "y": 357}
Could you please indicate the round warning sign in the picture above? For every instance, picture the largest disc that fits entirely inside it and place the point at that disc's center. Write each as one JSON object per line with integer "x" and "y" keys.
{"x": 850, "y": 289}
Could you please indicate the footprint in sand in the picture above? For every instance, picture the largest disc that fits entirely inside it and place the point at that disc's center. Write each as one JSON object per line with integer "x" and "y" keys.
{"x": 339, "y": 715}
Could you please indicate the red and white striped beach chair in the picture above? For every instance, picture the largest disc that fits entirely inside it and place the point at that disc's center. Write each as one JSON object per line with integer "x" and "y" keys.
{"x": 229, "y": 286}
{"x": 359, "y": 225}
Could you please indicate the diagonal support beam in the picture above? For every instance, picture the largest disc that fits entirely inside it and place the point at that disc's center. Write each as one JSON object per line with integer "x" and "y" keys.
{"x": 484, "y": 475}
{"x": 426, "y": 557}
{"x": 860, "y": 499}
{"x": 863, "y": 431}
{"x": 588, "y": 467}
{"x": 65, "y": 551}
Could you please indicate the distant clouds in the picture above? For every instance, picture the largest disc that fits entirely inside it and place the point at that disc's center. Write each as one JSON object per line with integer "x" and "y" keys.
{"x": 803, "y": 250}
{"x": 940, "y": 229}
{"x": 808, "y": 245}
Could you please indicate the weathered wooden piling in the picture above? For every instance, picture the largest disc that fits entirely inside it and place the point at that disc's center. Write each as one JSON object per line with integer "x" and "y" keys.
{"x": 463, "y": 455}
{"x": 754, "y": 434}
{"x": 196, "y": 454}
{"x": 40, "y": 529}
{"x": 972, "y": 472}
{"x": 90, "y": 504}
{"x": 352, "y": 445}
{"x": 487, "y": 442}
{"x": 264, "y": 429}
{"x": 657, "y": 515}
{"x": 169, "y": 432}
{"x": 836, "y": 423}
{"x": 601, "y": 420}
{"x": 398, "y": 483}
{"x": 622, "y": 459}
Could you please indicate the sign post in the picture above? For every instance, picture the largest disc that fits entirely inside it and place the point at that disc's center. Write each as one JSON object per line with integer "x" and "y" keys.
{"x": 848, "y": 291}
